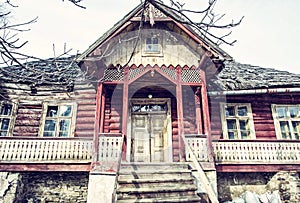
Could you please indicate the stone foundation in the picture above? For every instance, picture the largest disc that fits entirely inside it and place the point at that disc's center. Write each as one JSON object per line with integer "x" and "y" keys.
{"x": 43, "y": 187}
{"x": 233, "y": 185}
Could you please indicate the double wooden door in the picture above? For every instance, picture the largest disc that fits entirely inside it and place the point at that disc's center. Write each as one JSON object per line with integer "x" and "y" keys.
{"x": 149, "y": 136}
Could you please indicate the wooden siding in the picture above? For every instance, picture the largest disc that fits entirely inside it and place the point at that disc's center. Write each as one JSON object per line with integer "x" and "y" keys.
{"x": 261, "y": 111}
{"x": 29, "y": 111}
{"x": 113, "y": 110}
{"x": 189, "y": 110}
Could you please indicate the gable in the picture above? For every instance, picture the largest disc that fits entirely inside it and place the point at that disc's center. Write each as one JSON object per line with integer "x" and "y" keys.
{"x": 126, "y": 42}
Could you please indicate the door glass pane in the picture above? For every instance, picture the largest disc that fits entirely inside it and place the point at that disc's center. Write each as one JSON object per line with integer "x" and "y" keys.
{"x": 285, "y": 130}
{"x": 281, "y": 111}
{"x": 52, "y": 111}
{"x": 65, "y": 110}
{"x": 242, "y": 111}
{"x": 229, "y": 111}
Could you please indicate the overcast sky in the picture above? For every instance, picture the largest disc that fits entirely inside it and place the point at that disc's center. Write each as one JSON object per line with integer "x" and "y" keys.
{"x": 269, "y": 35}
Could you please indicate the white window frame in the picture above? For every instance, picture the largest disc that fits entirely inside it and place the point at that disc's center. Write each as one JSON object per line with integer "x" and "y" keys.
{"x": 288, "y": 119}
{"x": 72, "y": 118}
{"x": 237, "y": 118}
{"x": 11, "y": 117}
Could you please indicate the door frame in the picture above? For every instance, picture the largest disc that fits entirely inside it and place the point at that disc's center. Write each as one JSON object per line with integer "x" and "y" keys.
{"x": 168, "y": 148}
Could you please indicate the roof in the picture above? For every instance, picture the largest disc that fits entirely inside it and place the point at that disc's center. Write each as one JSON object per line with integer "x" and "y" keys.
{"x": 238, "y": 76}
{"x": 47, "y": 72}
{"x": 208, "y": 44}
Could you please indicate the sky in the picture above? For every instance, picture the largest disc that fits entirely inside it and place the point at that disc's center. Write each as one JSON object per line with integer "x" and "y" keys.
{"x": 268, "y": 35}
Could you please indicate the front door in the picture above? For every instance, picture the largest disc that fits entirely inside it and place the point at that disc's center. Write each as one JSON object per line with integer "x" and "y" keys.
{"x": 149, "y": 134}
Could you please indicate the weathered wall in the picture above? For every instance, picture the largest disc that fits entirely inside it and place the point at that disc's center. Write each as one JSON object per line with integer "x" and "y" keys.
{"x": 233, "y": 185}
{"x": 55, "y": 187}
{"x": 11, "y": 187}
{"x": 43, "y": 187}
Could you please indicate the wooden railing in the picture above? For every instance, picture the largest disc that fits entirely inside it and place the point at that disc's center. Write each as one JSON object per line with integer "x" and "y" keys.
{"x": 107, "y": 152}
{"x": 198, "y": 144}
{"x": 40, "y": 150}
{"x": 256, "y": 152}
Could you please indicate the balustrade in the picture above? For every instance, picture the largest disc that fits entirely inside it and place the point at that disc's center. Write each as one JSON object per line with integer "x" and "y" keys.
{"x": 45, "y": 150}
{"x": 256, "y": 151}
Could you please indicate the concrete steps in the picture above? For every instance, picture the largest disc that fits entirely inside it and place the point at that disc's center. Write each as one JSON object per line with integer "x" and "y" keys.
{"x": 156, "y": 182}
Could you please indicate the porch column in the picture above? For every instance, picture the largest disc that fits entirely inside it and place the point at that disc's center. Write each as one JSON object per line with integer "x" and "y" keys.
{"x": 180, "y": 114}
{"x": 125, "y": 111}
{"x": 198, "y": 112}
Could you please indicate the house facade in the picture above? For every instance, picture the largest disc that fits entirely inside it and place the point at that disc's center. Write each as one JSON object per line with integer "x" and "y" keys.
{"x": 151, "y": 91}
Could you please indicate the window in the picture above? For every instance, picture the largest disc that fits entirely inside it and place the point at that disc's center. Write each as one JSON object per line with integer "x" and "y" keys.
{"x": 237, "y": 121}
{"x": 152, "y": 44}
{"x": 7, "y": 118}
{"x": 287, "y": 121}
{"x": 58, "y": 120}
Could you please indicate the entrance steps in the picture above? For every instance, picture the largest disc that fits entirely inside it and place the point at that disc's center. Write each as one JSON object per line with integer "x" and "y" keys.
{"x": 156, "y": 182}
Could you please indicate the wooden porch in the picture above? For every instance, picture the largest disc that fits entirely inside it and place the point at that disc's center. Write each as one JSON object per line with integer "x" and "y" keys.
{"x": 105, "y": 152}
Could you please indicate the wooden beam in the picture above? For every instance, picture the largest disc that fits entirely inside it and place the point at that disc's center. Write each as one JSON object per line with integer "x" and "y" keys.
{"x": 46, "y": 167}
{"x": 257, "y": 168}
{"x": 198, "y": 113}
{"x": 125, "y": 108}
{"x": 180, "y": 115}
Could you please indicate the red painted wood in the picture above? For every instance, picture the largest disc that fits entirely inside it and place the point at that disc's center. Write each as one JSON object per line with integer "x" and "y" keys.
{"x": 46, "y": 167}
{"x": 257, "y": 168}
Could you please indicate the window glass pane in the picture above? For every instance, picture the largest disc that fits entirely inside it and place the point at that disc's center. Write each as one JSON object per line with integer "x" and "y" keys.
{"x": 245, "y": 134}
{"x": 281, "y": 111}
{"x": 242, "y": 111}
{"x": 148, "y": 40}
{"x": 52, "y": 111}
{"x": 155, "y": 40}
{"x": 244, "y": 125}
{"x": 6, "y": 109}
{"x": 296, "y": 128}
{"x": 231, "y": 124}
{"x": 50, "y": 125}
{"x": 229, "y": 111}
{"x": 4, "y": 124}
{"x": 64, "y": 125}
{"x": 49, "y": 134}
{"x": 285, "y": 130}
{"x": 231, "y": 135}
{"x": 65, "y": 110}
{"x": 294, "y": 112}
{"x": 136, "y": 108}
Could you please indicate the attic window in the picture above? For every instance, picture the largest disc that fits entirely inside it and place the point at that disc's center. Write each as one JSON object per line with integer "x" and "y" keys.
{"x": 152, "y": 44}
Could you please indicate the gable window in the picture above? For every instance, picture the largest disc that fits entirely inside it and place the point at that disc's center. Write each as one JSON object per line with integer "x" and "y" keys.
{"x": 152, "y": 44}
{"x": 287, "y": 121}
{"x": 237, "y": 121}
{"x": 58, "y": 120}
{"x": 7, "y": 118}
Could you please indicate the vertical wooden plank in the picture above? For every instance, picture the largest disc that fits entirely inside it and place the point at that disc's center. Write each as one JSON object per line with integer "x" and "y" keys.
{"x": 125, "y": 107}
{"x": 180, "y": 113}
{"x": 198, "y": 113}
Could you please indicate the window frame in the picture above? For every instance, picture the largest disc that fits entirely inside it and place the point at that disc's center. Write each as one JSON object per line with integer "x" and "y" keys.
{"x": 249, "y": 116}
{"x": 72, "y": 118}
{"x": 159, "y": 51}
{"x": 12, "y": 116}
{"x": 277, "y": 120}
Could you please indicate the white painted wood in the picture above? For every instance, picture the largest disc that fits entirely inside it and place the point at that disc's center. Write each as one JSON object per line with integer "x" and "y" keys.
{"x": 253, "y": 152}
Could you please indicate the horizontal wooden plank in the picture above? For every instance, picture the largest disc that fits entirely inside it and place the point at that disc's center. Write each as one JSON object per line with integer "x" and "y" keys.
{"x": 46, "y": 167}
{"x": 257, "y": 168}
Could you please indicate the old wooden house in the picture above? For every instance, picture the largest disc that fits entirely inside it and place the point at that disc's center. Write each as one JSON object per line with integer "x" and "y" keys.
{"x": 150, "y": 112}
